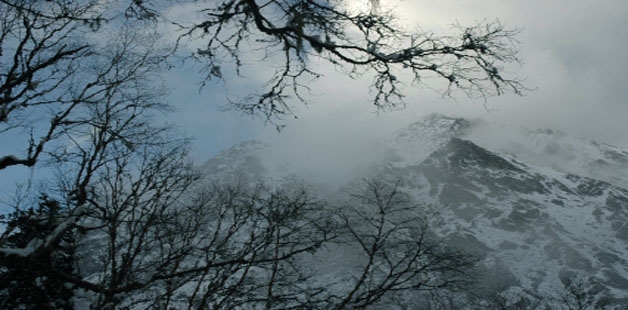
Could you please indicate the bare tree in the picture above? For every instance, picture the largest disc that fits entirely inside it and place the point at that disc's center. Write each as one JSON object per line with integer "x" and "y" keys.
{"x": 512, "y": 299}
{"x": 60, "y": 81}
{"x": 577, "y": 294}
{"x": 400, "y": 258}
{"x": 254, "y": 239}
{"x": 71, "y": 96}
{"x": 227, "y": 246}
{"x": 295, "y": 33}
{"x": 245, "y": 245}
{"x": 152, "y": 235}
{"x": 75, "y": 98}
{"x": 126, "y": 224}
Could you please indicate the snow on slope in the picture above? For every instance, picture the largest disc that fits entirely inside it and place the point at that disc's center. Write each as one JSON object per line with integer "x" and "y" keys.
{"x": 537, "y": 206}
{"x": 417, "y": 141}
{"x": 553, "y": 148}
{"x": 534, "y": 225}
{"x": 248, "y": 161}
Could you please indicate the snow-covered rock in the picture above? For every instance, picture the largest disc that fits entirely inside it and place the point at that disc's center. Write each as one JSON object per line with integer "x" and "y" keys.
{"x": 537, "y": 206}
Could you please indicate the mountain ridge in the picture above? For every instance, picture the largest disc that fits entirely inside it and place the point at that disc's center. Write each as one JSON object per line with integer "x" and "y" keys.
{"x": 534, "y": 226}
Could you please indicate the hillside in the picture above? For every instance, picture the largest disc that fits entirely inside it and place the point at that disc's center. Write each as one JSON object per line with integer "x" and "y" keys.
{"x": 539, "y": 208}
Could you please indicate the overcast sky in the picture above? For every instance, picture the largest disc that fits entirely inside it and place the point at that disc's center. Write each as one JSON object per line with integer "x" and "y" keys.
{"x": 574, "y": 53}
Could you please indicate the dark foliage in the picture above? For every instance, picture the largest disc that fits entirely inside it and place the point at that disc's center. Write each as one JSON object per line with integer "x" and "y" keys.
{"x": 78, "y": 88}
{"x": 32, "y": 282}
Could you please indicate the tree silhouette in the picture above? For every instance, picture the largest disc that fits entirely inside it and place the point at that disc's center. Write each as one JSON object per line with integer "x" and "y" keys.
{"x": 295, "y": 34}
{"x": 79, "y": 86}
{"x": 33, "y": 282}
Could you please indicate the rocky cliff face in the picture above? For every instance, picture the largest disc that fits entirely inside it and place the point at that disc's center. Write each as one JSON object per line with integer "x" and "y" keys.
{"x": 538, "y": 209}
{"x": 534, "y": 226}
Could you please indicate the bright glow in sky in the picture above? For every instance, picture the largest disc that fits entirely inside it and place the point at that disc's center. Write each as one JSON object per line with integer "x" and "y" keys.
{"x": 574, "y": 53}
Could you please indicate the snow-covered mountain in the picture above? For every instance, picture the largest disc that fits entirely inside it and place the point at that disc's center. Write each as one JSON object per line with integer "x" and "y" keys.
{"x": 555, "y": 149}
{"x": 245, "y": 159}
{"x": 537, "y": 207}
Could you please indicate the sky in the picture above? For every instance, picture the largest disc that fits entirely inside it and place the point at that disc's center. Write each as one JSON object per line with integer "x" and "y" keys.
{"x": 574, "y": 59}
{"x": 574, "y": 56}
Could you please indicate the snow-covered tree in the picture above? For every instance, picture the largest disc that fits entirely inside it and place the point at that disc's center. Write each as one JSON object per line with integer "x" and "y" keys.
{"x": 69, "y": 90}
{"x": 79, "y": 82}
{"x": 37, "y": 281}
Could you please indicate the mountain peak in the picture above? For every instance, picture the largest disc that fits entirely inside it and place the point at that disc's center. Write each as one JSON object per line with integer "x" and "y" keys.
{"x": 508, "y": 196}
{"x": 558, "y": 150}
{"x": 415, "y": 142}
{"x": 464, "y": 152}
{"x": 239, "y": 159}
{"x": 436, "y": 123}
{"x": 439, "y": 120}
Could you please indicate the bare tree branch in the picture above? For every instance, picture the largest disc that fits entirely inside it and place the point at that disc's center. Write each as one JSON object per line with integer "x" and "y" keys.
{"x": 362, "y": 43}
{"x": 400, "y": 254}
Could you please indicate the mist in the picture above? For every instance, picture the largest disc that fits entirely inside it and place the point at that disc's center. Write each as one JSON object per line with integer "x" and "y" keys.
{"x": 573, "y": 64}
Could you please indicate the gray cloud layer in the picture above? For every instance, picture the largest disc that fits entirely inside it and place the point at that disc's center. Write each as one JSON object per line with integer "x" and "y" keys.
{"x": 574, "y": 54}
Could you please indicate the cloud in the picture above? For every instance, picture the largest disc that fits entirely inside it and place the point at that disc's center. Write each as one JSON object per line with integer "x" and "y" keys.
{"x": 573, "y": 54}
